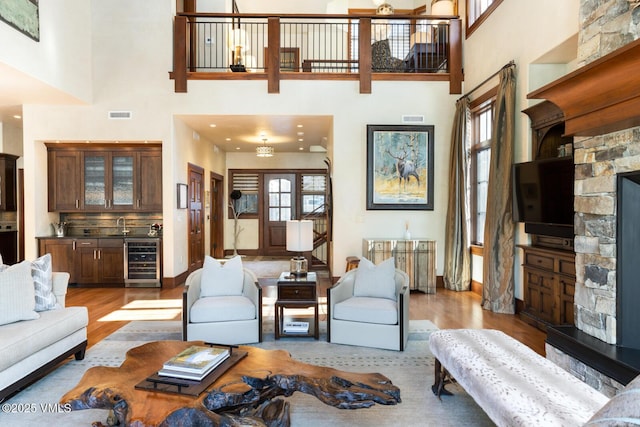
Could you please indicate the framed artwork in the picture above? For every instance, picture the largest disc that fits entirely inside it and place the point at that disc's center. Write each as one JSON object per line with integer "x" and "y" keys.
{"x": 400, "y": 167}
{"x": 182, "y": 196}
{"x": 22, "y": 15}
{"x": 289, "y": 58}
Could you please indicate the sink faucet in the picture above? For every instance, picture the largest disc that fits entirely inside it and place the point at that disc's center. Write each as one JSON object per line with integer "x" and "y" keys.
{"x": 124, "y": 224}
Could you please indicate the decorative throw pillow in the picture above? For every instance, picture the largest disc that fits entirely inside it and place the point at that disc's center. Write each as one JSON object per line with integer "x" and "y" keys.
{"x": 17, "y": 294}
{"x": 220, "y": 279}
{"x": 623, "y": 409}
{"x": 43, "y": 283}
{"x": 377, "y": 281}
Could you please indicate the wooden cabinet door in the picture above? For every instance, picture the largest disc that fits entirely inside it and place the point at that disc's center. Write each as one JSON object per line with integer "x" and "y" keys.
{"x": 111, "y": 259}
{"x": 7, "y": 182}
{"x": 65, "y": 181}
{"x": 149, "y": 181}
{"x": 120, "y": 187}
{"x": 87, "y": 267}
{"x": 62, "y": 255}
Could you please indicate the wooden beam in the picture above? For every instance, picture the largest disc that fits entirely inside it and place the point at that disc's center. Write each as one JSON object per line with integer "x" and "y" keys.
{"x": 180, "y": 54}
{"x": 455, "y": 56}
{"x": 365, "y": 55}
{"x": 273, "y": 58}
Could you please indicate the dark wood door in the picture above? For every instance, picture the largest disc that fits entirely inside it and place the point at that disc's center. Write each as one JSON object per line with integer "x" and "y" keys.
{"x": 149, "y": 181}
{"x": 279, "y": 207}
{"x": 65, "y": 178}
{"x": 196, "y": 217}
{"x": 217, "y": 219}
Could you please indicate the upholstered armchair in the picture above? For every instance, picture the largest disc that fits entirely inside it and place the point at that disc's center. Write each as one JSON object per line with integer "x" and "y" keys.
{"x": 361, "y": 312}
{"x": 225, "y": 315}
{"x": 381, "y": 59}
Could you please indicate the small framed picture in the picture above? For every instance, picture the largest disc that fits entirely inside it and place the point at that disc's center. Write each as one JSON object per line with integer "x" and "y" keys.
{"x": 182, "y": 196}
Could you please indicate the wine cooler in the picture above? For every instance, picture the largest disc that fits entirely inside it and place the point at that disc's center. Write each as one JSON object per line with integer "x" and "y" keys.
{"x": 142, "y": 263}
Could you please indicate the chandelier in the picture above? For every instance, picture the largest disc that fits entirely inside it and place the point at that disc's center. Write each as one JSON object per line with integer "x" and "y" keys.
{"x": 264, "y": 150}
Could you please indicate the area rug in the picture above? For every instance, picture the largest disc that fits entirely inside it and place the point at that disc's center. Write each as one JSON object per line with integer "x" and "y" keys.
{"x": 411, "y": 371}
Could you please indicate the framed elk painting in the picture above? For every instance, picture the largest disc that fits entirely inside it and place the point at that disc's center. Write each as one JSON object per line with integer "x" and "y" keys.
{"x": 400, "y": 167}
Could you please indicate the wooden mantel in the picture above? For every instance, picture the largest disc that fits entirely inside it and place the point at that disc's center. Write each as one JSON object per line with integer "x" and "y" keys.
{"x": 601, "y": 97}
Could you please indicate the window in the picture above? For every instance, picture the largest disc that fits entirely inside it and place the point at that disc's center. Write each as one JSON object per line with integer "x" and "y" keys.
{"x": 480, "y": 150}
{"x": 247, "y": 184}
{"x": 478, "y": 11}
{"x": 313, "y": 192}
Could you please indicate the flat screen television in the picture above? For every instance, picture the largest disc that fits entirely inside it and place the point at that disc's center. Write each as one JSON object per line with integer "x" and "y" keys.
{"x": 543, "y": 196}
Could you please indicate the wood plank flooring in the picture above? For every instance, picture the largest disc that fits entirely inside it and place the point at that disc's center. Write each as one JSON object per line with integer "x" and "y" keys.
{"x": 446, "y": 309}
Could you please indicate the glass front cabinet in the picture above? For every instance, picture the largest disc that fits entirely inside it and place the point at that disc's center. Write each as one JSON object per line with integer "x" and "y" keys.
{"x": 98, "y": 179}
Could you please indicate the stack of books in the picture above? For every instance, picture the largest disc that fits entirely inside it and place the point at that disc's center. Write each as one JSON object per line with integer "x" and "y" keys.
{"x": 295, "y": 327}
{"x": 194, "y": 363}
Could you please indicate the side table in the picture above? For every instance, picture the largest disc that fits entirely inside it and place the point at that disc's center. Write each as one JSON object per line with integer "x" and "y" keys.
{"x": 296, "y": 292}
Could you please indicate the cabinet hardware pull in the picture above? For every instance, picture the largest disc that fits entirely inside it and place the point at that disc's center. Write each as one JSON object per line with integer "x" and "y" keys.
{"x": 77, "y": 203}
{"x": 74, "y": 245}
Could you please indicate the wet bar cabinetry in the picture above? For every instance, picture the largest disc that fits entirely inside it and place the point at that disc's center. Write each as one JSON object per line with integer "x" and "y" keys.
{"x": 105, "y": 177}
{"x": 89, "y": 261}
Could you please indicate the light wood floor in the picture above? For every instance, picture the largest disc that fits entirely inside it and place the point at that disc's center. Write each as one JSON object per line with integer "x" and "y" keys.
{"x": 446, "y": 309}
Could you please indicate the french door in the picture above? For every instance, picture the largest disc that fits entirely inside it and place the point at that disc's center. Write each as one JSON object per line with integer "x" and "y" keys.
{"x": 279, "y": 207}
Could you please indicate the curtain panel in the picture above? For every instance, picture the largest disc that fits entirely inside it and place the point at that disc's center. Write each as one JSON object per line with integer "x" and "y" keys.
{"x": 457, "y": 259}
{"x": 498, "y": 287}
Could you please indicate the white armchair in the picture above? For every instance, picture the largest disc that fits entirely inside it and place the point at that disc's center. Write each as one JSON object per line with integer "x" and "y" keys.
{"x": 368, "y": 321}
{"x": 232, "y": 319}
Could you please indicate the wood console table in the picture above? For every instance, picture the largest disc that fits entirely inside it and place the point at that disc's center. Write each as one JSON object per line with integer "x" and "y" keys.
{"x": 416, "y": 257}
{"x": 246, "y": 394}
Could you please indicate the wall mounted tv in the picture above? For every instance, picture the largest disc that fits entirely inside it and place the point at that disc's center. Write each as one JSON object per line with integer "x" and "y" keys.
{"x": 543, "y": 196}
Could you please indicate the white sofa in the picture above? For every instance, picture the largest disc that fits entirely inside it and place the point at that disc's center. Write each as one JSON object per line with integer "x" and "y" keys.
{"x": 31, "y": 348}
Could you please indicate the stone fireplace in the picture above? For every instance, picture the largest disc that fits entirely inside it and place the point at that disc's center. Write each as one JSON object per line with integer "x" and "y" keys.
{"x": 601, "y": 104}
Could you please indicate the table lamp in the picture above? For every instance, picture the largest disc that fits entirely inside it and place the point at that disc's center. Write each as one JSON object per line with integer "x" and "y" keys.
{"x": 299, "y": 239}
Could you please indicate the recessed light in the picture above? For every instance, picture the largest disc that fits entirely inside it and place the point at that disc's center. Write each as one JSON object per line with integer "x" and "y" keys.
{"x": 301, "y": 148}
{"x": 237, "y": 148}
{"x": 227, "y": 139}
{"x": 300, "y": 126}
{"x": 17, "y": 116}
{"x": 300, "y": 139}
{"x": 300, "y": 133}
{"x": 212, "y": 125}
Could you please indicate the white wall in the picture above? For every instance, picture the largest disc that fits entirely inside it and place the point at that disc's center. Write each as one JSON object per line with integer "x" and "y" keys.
{"x": 506, "y": 35}
{"x": 62, "y": 57}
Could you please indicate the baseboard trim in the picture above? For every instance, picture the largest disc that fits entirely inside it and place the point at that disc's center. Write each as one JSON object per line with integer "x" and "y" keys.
{"x": 174, "y": 282}
{"x": 476, "y": 287}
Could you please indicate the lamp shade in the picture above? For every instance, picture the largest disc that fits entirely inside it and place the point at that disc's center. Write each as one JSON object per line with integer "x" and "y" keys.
{"x": 442, "y": 7}
{"x": 299, "y": 235}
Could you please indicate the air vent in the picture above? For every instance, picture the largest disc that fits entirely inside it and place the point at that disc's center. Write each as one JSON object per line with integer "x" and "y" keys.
{"x": 120, "y": 115}
{"x": 412, "y": 119}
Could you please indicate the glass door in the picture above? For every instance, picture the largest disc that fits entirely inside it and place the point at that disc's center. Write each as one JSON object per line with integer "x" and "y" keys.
{"x": 95, "y": 181}
{"x": 122, "y": 182}
{"x": 279, "y": 208}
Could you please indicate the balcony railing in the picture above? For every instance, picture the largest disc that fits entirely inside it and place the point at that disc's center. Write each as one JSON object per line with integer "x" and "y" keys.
{"x": 307, "y": 47}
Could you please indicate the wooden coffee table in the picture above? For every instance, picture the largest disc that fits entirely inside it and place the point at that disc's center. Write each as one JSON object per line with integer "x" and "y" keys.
{"x": 251, "y": 387}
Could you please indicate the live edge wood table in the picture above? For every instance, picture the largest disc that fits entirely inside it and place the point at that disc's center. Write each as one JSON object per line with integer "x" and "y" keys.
{"x": 247, "y": 394}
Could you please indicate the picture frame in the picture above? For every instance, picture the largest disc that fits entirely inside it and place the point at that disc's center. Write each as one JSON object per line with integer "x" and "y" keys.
{"x": 289, "y": 58}
{"x": 23, "y": 15}
{"x": 400, "y": 167}
{"x": 182, "y": 196}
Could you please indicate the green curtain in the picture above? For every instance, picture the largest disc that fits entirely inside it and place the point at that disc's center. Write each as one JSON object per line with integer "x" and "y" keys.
{"x": 498, "y": 289}
{"x": 457, "y": 259}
